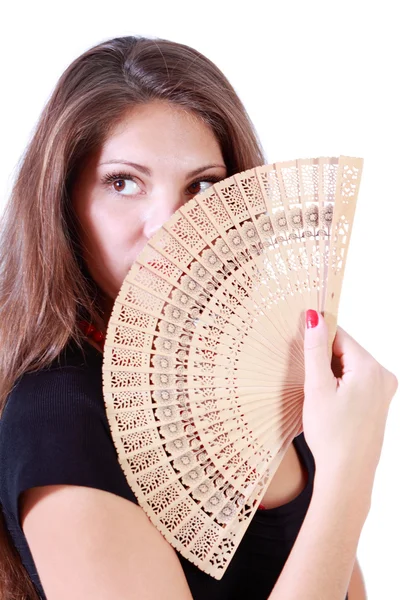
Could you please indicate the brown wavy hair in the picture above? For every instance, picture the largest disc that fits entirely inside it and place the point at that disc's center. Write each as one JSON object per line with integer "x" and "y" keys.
{"x": 39, "y": 245}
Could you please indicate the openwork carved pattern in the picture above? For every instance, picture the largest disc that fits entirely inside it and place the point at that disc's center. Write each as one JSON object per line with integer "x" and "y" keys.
{"x": 132, "y": 316}
{"x": 349, "y": 184}
{"x": 125, "y": 336}
{"x": 165, "y": 496}
{"x": 125, "y": 357}
{"x": 252, "y": 193}
{"x": 197, "y": 215}
{"x": 203, "y": 366}
{"x": 291, "y": 183}
{"x": 217, "y": 209}
{"x": 135, "y": 441}
{"x": 188, "y": 532}
{"x": 150, "y": 280}
{"x": 158, "y": 263}
{"x": 174, "y": 250}
{"x": 309, "y": 177}
{"x": 187, "y": 233}
{"x": 270, "y": 182}
{"x": 128, "y": 420}
{"x": 142, "y": 300}
{"x": 132, "y": 399}
{"x": 329, "y": 181}
{"x": 233, "y": 199}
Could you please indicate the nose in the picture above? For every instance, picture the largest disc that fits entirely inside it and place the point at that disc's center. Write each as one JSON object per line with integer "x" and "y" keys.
{"x": 157, "y": 214}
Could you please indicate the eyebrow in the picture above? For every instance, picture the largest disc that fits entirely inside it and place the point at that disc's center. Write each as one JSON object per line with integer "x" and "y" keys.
{"x": 147, "y": 171}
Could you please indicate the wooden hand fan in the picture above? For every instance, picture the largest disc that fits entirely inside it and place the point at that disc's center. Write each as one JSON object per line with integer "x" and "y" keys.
{"x": 203, "y": 368}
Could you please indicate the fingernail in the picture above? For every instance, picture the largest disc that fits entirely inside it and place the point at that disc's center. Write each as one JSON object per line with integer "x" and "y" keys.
{"x": 311, "y": 318}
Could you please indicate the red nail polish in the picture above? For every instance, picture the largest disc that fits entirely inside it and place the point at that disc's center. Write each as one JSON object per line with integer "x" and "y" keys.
{"x": 312, "y": 318}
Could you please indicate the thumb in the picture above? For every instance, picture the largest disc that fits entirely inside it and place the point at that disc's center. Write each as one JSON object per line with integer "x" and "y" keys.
{"x": 317, "y": 361}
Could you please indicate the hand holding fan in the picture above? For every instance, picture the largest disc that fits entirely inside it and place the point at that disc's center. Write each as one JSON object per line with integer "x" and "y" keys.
{"x": 203, "y": 368}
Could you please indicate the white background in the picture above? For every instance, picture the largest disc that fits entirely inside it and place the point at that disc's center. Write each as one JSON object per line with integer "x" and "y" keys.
{"x": 318, "y": 79}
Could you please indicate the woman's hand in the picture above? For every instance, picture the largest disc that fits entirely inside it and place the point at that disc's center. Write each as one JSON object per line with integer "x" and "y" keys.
{"x": 344, "y": 417}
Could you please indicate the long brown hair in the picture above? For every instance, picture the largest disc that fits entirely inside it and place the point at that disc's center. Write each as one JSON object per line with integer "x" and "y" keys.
{"x": 39, "y": 245}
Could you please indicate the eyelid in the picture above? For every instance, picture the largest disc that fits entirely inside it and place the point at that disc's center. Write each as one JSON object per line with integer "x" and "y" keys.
{"x": 109, "y": 178}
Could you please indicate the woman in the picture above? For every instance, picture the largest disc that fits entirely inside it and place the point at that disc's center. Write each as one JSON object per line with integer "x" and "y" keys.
{"x": 131, "y": 130}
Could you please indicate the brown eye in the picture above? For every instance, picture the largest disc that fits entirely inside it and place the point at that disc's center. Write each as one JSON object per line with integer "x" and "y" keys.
{"x": 192, "y": 186}
{"x": 119, "y": 185}
{"x": 196, "y": 183}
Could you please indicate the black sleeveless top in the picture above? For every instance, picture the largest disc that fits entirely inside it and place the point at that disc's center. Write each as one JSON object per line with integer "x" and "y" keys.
{"x": 54, "y": 430}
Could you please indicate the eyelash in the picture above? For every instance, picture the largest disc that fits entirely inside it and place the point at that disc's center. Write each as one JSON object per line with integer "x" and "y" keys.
{"x": 109, "y": 179}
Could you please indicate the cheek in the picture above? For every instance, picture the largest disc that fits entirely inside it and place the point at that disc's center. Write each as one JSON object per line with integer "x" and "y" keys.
{"x": 112, "y": 242}
{"x": 112, "y": 229}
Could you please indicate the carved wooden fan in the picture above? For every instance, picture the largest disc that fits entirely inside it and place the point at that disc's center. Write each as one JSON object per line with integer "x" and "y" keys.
{"x": 203, "y": 366}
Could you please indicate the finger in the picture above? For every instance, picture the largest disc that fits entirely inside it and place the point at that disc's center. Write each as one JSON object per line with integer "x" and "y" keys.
{"x": 347, "y": 349}
{"x": 317, "y": 363}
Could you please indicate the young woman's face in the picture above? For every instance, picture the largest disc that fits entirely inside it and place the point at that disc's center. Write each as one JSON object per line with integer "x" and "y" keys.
{"x": 119, "y": 206}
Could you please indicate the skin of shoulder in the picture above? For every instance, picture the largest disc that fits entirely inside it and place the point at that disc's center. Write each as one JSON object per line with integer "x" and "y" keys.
{"x": 106, "y": 547}
{"x": 88, "y": 543}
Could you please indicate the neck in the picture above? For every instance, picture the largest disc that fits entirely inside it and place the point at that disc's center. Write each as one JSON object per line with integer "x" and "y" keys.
{"x": 106, "y": 305}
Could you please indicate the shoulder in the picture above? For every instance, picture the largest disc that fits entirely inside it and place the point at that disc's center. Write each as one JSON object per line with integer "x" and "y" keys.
{"x": 56, "y": 395}
{"x": 106, "y": 546}
{"x": 54, "y": 430}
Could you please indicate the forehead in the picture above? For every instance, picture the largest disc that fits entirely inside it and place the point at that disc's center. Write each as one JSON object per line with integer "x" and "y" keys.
{"x": 161, "y": 129}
